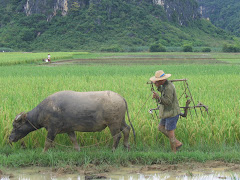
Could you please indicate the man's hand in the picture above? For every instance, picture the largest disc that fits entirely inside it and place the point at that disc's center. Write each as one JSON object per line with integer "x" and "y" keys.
{"x": 155, "y": 95}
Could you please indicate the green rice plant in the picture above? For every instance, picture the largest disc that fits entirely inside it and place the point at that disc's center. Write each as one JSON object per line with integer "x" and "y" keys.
{"x": 11, "y": 58}
{"x": 24, "y": 87}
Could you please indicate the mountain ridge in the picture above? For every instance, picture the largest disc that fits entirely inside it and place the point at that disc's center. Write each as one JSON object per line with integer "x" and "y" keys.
{"x": 104, "y": 24}
{"x": 223, "y": 14}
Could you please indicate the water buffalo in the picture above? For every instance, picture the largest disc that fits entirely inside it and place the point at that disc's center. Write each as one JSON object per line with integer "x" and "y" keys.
{"x": 69, "y": 111}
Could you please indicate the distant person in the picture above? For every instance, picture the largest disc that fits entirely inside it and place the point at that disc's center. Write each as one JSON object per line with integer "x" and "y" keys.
{"x": 169, "y": 109}
{"x": 49, "y": 58}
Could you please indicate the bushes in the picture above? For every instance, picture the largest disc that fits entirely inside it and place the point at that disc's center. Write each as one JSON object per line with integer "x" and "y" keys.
{"x": 3, "y": 49}
{"x": 187, "y": 48}
{"x": 113, "y": 48}
{"x": 157, "y": 48}
{"x": 230, "y": 48}
{"x": 206, "y": 50}
{"x": 184, "y": 48}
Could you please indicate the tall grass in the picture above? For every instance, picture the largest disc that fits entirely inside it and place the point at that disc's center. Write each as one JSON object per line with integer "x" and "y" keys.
{"x": 23, "y": 87}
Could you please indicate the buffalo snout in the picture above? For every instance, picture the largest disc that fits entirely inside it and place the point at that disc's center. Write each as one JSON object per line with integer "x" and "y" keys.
{"x": 11, "y": 138}
{"x": 14, "y": 137}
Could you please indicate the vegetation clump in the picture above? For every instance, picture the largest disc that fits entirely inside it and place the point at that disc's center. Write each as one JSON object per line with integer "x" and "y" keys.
{"x": 230, "y": 48}
{"x": 4, "y": 49}
{"x": 157, "y": 48}
{"x": 113, "y": 48}
{"x": 187, "y": 48}
{"x": 206, "y": 49}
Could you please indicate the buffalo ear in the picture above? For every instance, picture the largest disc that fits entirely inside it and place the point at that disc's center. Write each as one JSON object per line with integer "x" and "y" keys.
{"x": 20, "y": 116}
{"x": 24, "y": 117}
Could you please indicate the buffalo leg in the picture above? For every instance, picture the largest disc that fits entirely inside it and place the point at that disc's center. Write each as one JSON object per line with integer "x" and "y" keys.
{"x": 49, "y": 140}
{"x": 73, "y": 138}
{"x": 116, "y": 134}
{"x": 125, "y": 130}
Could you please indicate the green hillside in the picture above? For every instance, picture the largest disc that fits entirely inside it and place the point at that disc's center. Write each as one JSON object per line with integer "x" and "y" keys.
{"x": 130, "y": 26}
{"x": 224, "y": 14}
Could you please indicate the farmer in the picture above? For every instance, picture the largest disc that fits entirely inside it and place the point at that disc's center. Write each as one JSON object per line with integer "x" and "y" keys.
{"x": 169, "y": 109}
{"x": 49, "y": 58}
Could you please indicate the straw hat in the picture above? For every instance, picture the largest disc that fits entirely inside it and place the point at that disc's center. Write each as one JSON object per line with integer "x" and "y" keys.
{"x": 159, "y": 75}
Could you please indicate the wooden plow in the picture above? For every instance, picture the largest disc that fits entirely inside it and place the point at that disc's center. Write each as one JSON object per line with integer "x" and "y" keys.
{"x": 189, "y": 99}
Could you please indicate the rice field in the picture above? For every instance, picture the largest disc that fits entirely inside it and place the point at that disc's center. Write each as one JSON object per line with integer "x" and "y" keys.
{"x": 14, "y": 58}
{"x": 214, "y": 79}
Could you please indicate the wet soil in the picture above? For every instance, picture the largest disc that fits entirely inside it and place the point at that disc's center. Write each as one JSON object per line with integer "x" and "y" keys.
{"x": 108, "y": 172}
{"x": 134, "y": 59}
{"x": 127, "y": 61}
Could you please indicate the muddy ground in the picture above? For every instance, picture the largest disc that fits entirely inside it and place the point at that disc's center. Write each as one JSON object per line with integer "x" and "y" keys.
{"x": 128, "y": 60}
{"x": 162, "y": 168}
{"x": 104, "y": 171}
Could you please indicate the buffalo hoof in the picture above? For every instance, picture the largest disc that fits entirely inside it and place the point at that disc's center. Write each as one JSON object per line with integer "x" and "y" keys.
{"x": 77, "y": 149}
{"x": 128, "y": 148}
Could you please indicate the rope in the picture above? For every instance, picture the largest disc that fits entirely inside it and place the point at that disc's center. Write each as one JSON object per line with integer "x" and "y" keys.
{"x": 92, "y": 144}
